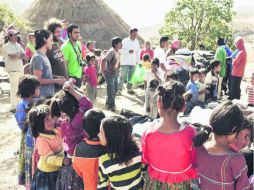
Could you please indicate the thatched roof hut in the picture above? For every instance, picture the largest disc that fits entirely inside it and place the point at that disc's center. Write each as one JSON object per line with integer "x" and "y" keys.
{"x": 97, "y": 21}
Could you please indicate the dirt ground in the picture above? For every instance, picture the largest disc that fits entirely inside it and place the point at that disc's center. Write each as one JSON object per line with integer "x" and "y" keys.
{"x": 10, "y": 133}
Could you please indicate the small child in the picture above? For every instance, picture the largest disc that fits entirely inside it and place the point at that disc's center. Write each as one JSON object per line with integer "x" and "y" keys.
{"x": 49, "y": 146}
{"x": 151, "y": 99}
{"x": 28, "y": 88}
{"x": 192, "y": 88}
{"x": 216, "y": 162}
{"x": 70, "y": 105}
{"x": 88, "y": 151}
{"x": 250, "y": 92}
{"x": 146, "y": 63}
{"x": 153, "y": 73}
{"x": 212, "y": 79}
{"x": 160, "y": 142}
{"x": 120, "y": 166}
{"x": 201, "y": 87}
{"x": 91, "y": 77}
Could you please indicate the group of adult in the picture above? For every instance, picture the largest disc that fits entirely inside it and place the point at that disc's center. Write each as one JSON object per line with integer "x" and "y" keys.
{"x": 56, "y": 54}
{"x": 231, "y": 71}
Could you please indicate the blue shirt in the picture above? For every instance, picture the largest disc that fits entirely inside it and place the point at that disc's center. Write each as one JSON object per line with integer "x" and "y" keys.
{"x": 192, "y": 87}
{"x": 41, "y": 62}
{"x": 20, "y": 116}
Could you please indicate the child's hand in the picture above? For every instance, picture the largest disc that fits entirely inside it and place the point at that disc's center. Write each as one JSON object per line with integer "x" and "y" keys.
{"x": 148, "y": 110}
{"x": 67, "y": 162}
{"x": 67, "y": 86}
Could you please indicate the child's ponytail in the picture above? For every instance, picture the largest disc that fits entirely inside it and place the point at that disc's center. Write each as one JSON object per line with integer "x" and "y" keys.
{"x": 203, "y": 134}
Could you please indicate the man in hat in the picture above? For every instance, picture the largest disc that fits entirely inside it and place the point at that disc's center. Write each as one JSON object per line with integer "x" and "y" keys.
{"x": 130, "y": 56}
{"x": 13, "y": 54}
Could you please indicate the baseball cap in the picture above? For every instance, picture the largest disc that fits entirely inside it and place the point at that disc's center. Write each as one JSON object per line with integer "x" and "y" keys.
{"x": 9, "y": 32}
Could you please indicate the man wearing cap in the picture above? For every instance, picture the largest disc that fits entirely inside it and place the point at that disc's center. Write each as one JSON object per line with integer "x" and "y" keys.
{"x": 130, "y": 56}
{"x": 13, "y": 54}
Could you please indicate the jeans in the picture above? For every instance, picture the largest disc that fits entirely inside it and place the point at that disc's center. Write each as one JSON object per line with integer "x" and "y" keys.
{"x": 126, "y": 70}
{"x": 235, "y": 90}
{"x": 111, "y": 90}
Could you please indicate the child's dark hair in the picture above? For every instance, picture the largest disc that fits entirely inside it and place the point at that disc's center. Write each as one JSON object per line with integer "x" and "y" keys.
{"x": 156, "y": 61}
{"x": 98, "y": 52}
{"x": 36, "y": 117}
{"x": 171, "y": 75}
{"x": 63, "y": 101}
{"x": 146, "y": 57}
{"x": 193, "y": 71}
{"x": 120, "y": 145}
{"x": 27, "y": 86}
{"x": 115, "y": 41}
{"x": 92, "y": 121}
{"x": 40, "y": 38}
{"x": 214, "y": 63}
{"x": 88, "y": 43}
{"x": 164, "y": 39}
{"x": 248, "y": 124}
{"x": 202, "y": 71}
{"x": 154, "y": 83}
{"x": 172, "y": 95}
{"x": 226, "y": 119}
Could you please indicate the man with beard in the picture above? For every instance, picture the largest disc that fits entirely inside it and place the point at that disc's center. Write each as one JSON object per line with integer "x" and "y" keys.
{"x": 73, "y": 55}
{"x": 55, "y": 55}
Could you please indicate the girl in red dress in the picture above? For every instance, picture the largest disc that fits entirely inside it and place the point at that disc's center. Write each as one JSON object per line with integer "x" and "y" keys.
{"x": 167, "y": 145}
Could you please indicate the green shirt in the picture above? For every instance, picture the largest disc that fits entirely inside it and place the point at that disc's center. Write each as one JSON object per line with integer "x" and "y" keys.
{"x": 74, "y": 68}
{"x": 221, "y": 56}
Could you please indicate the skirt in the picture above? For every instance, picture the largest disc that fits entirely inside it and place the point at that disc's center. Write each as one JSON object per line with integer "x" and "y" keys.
{"x": 68, "y": 179}
{"x": 151, "y": 184}
{"x": 44, "y": 180}
{"x": 28, "y": 167}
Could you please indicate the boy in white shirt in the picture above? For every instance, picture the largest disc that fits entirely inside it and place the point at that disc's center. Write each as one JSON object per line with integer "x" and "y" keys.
{"x": 153, "y": 73}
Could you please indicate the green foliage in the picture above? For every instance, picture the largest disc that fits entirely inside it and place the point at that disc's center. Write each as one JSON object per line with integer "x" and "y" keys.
{"x": 7, "y": 17}
{"x": 199, "y": 22}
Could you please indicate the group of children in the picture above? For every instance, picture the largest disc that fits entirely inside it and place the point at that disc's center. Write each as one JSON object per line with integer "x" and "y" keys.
{"x": 78, "y": 147}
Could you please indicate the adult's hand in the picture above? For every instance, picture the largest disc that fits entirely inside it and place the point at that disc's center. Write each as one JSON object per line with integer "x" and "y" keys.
{"x": 59, "y": 81}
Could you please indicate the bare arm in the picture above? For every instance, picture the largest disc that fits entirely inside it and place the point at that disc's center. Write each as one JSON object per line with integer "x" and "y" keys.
{"x": 38, "y": 73}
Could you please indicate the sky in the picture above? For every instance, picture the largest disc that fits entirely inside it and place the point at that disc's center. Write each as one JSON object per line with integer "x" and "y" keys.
{"x": 141, "y": 13}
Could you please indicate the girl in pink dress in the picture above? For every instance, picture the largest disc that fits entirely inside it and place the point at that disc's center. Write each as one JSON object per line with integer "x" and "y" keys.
{"x": 219, "y": 167}
{"x": 167, "y": 145}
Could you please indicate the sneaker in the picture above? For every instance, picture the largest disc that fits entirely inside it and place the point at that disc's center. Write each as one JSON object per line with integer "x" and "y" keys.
{"x": 130, "y": 92}
{"x": 119, "y": 93}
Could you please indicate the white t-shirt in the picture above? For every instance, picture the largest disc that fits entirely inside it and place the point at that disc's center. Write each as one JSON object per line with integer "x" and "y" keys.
{"x": 130, "y": 58}
{"x": 150, "y": 76}
{"x": 12, "y": 65}
{"x": 160, "y": 54}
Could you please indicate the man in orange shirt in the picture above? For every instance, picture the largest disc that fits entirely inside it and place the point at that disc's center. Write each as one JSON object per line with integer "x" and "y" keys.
{"x": 87, "y": 152}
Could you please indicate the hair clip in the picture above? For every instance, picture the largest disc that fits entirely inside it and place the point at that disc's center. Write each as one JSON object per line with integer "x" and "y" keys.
{"x": 42, "y": 110}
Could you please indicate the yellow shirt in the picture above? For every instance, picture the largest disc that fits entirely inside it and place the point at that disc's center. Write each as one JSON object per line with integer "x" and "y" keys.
{"x": 146, "y": 64}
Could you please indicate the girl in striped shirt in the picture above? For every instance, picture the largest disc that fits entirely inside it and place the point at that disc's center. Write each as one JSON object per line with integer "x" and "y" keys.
{"x": 120, "y": 166}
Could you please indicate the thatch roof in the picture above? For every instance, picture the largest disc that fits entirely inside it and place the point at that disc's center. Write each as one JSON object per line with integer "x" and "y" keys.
{"x": 97, "y": 21}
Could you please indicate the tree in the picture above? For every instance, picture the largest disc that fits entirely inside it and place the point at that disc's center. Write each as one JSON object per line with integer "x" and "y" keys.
{"x": 199, "y": 22}
{"x": 7, "y": 17}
